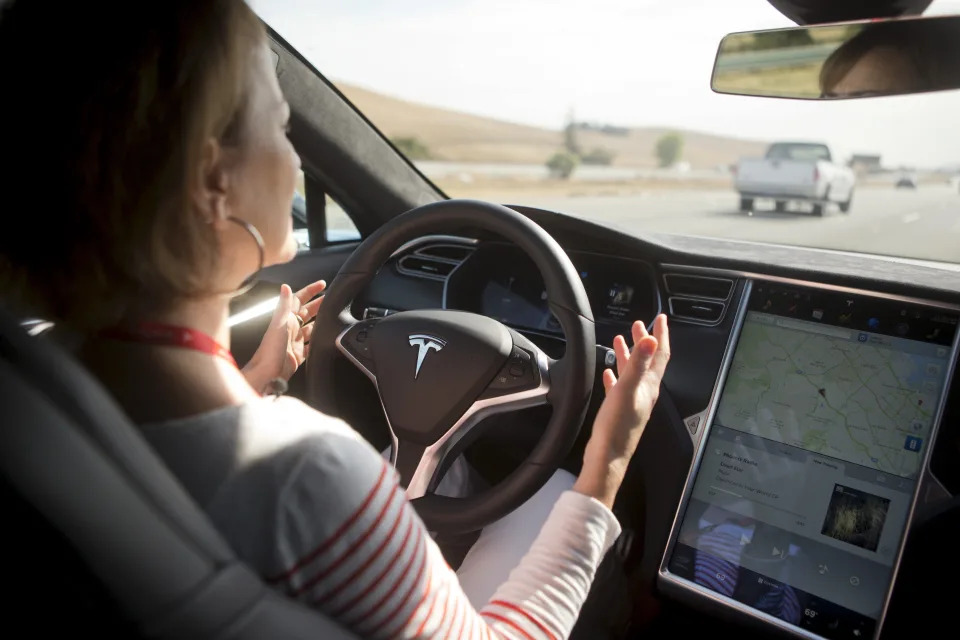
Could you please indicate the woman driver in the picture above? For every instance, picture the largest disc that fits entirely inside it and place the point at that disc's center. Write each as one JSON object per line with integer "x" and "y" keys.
{"x": 158, "y": 150}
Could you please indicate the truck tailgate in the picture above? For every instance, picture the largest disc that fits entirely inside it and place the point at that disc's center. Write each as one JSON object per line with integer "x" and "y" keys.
{"x": 775, "y": 177}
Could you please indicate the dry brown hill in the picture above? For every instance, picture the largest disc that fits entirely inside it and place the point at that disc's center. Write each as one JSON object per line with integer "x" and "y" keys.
{"x": 462, "y": 137}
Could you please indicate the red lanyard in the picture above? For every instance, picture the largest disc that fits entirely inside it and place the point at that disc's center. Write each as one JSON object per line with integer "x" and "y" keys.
{"x": 169, "y": 335}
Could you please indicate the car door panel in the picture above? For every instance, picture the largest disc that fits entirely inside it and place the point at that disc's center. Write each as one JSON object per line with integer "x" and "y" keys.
{"x": 306, "y": 267}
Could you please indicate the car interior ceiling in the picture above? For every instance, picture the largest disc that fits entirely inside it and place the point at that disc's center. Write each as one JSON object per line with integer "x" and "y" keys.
{"x": 346, "y": 157}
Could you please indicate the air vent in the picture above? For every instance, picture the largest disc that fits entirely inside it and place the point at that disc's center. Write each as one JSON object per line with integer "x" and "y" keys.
{"x": 698, "y": 286}
{"x": 452, "y": 252}
{"x": 697, "y": 299}
{"x": 433, "y": 261}
{"x": 426, "y": 267}
{"x": 703, "y": 311}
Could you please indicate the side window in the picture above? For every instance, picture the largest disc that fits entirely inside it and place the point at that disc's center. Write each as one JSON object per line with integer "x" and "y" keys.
{"x": 340, "y": 227}
{"x": 337, "y": 226}
{"x": 299, "y": 212}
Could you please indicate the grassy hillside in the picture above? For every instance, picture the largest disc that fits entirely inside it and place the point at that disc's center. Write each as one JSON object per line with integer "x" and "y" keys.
{"x": 455, "y": 136}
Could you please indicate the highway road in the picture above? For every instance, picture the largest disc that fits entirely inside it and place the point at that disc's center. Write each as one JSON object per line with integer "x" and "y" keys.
{"x": 922, "y": 223}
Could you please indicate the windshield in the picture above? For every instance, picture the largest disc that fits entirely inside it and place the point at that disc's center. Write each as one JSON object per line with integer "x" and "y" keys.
{"x": 786, "y": 151}
{"x": 603, "y": 110}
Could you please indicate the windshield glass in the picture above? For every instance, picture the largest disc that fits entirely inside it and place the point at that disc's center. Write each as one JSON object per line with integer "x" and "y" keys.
{"x": 603, "y": 110}
{"x": 787, "y": 151}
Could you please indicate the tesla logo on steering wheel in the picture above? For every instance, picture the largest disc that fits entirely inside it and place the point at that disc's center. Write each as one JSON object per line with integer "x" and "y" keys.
{"x": 425, "y": 343}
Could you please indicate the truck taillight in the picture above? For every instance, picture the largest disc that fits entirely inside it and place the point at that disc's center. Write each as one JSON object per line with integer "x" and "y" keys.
{"x": 816, "y": 173}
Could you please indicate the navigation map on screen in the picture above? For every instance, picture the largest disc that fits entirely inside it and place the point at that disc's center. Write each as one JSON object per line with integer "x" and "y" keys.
{"x": 838, "y": 393}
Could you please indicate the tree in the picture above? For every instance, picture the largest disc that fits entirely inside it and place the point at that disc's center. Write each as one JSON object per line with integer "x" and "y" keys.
{"x": 766, "y": 40}
{"x": 412, "y": 148}
{"x": 781, "y": 39}
{"x": 562, "y": 164}
{"x": 669, "y": 149}
{"x": 570, "y": 141}
{"x": 599, "y": 156}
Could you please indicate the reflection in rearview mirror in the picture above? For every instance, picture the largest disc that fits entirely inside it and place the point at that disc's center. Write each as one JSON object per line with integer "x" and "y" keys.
{"x": 849, "y": 60}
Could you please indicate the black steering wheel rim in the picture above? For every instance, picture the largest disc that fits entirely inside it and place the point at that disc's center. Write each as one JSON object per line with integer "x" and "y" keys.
{"x": 571, "y": 378}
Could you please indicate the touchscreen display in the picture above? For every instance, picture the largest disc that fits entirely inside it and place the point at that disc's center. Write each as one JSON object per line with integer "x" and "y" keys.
{"x": 806, "y": 479}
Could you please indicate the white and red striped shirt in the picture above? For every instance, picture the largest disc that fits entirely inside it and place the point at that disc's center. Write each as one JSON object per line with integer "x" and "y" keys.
{"x": 307, "y": 502}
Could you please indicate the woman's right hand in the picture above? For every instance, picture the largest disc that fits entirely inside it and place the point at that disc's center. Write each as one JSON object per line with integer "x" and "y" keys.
{"x": 625, "y": 410}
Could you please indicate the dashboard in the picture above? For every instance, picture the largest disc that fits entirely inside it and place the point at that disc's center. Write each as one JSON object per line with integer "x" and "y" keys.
{"x": 779, "y": 425}
{"x": 501, "y": 282}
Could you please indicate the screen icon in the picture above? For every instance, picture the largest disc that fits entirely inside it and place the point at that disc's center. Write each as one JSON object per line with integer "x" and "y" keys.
{"x": 913, "y": 443}
{"x": 933, "y": 370}
{"x": 862, "y": 337}
{"x": 620, "y": 295}
{"x": 855, "y": 581}
{"x": 873, "y": 323}
{"x": 818, "y": 314}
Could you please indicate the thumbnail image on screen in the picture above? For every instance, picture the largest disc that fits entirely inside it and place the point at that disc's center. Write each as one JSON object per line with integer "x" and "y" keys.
{"x": 855, "y": 517}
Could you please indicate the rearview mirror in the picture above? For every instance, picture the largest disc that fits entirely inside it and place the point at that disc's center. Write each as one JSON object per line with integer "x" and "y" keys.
{"x": 845, "y": 60}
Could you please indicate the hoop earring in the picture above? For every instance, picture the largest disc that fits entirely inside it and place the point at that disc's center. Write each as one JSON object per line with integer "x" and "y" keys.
{"x": 247, "y": 284}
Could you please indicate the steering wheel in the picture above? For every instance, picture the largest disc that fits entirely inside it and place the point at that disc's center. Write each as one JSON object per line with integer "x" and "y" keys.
{"x": 440, "y": 372}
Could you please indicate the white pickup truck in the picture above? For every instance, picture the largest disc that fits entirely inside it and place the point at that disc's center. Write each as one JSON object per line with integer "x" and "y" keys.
{"x": 792, "y": 171}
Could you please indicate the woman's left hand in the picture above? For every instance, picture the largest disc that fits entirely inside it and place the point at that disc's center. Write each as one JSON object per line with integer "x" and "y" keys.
{"x": 285, "y": 344}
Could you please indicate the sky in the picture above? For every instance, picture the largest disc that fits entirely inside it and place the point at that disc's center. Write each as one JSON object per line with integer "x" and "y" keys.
{"x": 639, "y": 63}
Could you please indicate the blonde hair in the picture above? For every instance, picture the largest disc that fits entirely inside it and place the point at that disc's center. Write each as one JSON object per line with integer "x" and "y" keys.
{"x": 131, "y": 93}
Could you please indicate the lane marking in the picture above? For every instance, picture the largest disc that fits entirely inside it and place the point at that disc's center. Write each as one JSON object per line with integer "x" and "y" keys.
{"x": 911, "y": 217}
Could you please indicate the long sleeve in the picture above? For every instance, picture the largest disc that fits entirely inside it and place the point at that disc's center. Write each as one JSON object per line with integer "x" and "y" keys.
{"x": 349, "y": 543}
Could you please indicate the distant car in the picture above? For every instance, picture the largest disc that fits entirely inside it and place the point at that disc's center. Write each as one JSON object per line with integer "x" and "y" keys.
{"x": 795, "y": 171}
{"x": 906, "y": 182}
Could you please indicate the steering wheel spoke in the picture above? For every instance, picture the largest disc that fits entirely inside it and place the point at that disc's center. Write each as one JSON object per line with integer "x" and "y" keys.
{"x": 524, "y": 376}
{"x": 355, "y": 343}
{"x": 414, "y": 464}
{"x": 523, "y": 382}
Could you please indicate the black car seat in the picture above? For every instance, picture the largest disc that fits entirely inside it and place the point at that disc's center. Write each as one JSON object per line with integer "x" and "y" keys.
{"x": 98, "y": 535}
